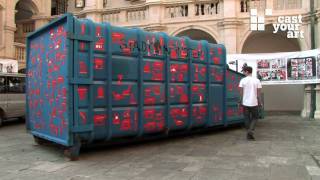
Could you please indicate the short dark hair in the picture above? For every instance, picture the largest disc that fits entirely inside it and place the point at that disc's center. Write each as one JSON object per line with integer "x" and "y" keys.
{"x": 248, "y": 69}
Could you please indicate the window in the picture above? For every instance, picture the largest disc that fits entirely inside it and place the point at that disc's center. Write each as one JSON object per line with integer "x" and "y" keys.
{"x": 2, "y": 85}
{"x": 59, "y": 7}
{"x": 16, "y": 85}
{"x": 287, "y": 4}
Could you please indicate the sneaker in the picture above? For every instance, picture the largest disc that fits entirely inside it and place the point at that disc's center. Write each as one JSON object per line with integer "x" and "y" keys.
{"x": 250, "y": 137}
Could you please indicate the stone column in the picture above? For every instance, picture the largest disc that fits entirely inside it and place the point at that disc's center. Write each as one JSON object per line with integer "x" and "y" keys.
{"x": 9, "y": 29}
{"x": 229, "y": 25}
{"x": 307, "y": 102}
{"x": 317, "y": 112}
{"x": 191, "y": 10}
{"x": 123, "y": 16}
{"x": 41, "y": 22}
{"x": 155, "y": 13}
{"x": 91, "y": 10}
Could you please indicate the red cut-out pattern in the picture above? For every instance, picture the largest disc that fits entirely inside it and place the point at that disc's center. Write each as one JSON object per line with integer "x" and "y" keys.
{"x": 99, "y": 45}
{"x": 83, "y": 117}
{"x": 154, "y": 120}
{"x": 98, "y": 64}
{"x": 117, "y": 38}
{"x": 126, "y": 122}
{"x": 82, "y": 92}
{"x": 83, "y": 68}
{"x": 178, "y": 72}
{"x": 116, "y": 119}
{"x": 99, "y": 119}
{"x": 100, "y": 93}
{"x": 82, "y": 46}
{"x": 217, "y": 113}
{"x": 199, "y": 114}
{"x": 98, "y": 31}
{"x": 83, "y": 29}
{"x": 178, "y": 115}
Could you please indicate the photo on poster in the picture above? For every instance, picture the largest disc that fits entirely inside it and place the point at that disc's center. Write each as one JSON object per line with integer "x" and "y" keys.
{"x": 272, "y": 70}
{"x": 278, "y": 74}
{"x": 263, "y": 64}
{"x": 301, "y": 68}
{"x": 278, "y": 63}
{"x": 264, "y": 75}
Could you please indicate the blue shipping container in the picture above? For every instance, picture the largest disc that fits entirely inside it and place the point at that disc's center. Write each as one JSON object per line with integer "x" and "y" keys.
{"x": 92, "y": 81}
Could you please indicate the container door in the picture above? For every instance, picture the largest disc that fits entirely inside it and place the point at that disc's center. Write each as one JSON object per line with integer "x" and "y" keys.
{"x": 48, "y": 88}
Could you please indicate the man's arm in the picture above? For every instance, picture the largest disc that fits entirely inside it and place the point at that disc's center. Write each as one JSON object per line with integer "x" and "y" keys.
{"x": 259, "y": 96}
{"x": 241, "y": 95}
{"x": 241, "y": 92}
{"x": 259, "y": 93}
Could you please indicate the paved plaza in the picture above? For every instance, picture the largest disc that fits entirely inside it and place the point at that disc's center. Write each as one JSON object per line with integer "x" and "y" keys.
{"x": 287, "y": 148}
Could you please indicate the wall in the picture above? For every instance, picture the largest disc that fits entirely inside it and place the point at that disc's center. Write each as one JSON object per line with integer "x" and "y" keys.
{"x": 283, "y": 97}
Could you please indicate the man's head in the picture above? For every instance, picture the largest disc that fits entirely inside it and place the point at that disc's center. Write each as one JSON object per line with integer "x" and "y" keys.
{"x": 247, "y": 70}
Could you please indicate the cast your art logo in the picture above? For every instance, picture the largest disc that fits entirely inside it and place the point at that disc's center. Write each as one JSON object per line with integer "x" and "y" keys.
{"x": 290, "y": 24}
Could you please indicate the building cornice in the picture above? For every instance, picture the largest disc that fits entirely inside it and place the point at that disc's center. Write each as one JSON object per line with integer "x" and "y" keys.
{"x": 10, "y": 28}
{"x": 229, "y": 23}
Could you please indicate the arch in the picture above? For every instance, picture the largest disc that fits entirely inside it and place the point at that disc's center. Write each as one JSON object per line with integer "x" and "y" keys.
{"x": 30, "y": 5}
{"x": 302, "y": 43}
{"x": 276, "y": 97}
{"x": 197, "y": 27}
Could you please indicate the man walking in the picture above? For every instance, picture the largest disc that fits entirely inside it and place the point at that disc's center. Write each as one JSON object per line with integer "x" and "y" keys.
{"x": 250, "y": 100}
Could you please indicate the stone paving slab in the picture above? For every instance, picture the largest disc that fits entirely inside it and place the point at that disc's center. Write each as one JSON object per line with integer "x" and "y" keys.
{"x": 287, "y": 148}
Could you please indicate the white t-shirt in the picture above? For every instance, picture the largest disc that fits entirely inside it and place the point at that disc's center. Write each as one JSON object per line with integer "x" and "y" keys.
{"x": 250, "y": 86}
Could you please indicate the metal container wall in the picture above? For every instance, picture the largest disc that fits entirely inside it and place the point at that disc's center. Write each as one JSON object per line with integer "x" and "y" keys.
{"x": 90, "y": 81}
{"x": 234, "y": 112}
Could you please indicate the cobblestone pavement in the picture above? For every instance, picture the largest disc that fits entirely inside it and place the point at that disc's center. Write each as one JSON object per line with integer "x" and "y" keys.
{"x": 287, "y": 148}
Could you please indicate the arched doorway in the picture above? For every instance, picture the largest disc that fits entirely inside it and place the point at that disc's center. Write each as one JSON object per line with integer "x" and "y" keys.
{"x": 268, "y": 42}
{"x": 25, "y": 9}
{"x": 277, "y": 97}
{"x": 197, "y": 34}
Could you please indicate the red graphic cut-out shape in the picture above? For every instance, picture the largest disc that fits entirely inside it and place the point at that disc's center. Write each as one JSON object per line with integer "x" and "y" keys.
{"x": 83, "y": 117}
{"x": 120, "y": 77}
{"x": 100, "y": 93}
{"x": 82, "y": 46}
{"x": 147, "y": 68}
{"x": 83, "y": 68}
{"x": 99, "y": 45}
{"x": 195, "y": 53}
{"x": 116, "y": 119}
{"x": 60, "y": 80}
{"x": 216, "y": 60}
{"x": 98, "y": 64}
{"x": 99, "y": 119}
{"x": 82, "y": 92}
{"x": 173, "y": 54}
{"x": 117, "y": 38}
{"x": 126, "y": 122}
{"x": 98, "y": 31}
{"x": 219, "y": 51}
{"x": 83, "y": 29}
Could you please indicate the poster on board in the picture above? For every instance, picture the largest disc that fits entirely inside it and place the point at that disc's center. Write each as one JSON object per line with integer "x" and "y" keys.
{"x": 281, "y": 68}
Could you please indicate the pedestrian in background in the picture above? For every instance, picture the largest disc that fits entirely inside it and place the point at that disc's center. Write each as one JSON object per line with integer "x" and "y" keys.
{"x": 250, "y": 100}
